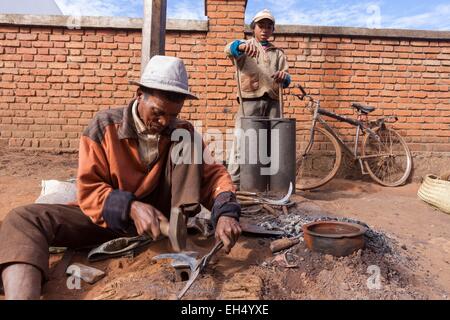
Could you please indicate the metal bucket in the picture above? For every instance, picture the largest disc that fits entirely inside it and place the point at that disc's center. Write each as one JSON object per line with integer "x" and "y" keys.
{"x": 254, "y": 143}
{"x": 268, "y": 154}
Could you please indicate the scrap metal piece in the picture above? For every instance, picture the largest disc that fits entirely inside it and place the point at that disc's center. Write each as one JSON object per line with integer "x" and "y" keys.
{"x": 185, "y": 258}
{"x": 200, "y": 267}
{"x": 257, "y": 230}
{"x": 283, "y": 200}
{"x": 118, "y": 247}
{"x": 183, "y": 263}
{"x": 87, "y": 274}
{"x": 204, "y": 226}
{"x": 282, "y": 260}
{"x": 251, "y": 197}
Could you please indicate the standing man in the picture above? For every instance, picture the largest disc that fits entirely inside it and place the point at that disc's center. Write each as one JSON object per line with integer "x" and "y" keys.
{"x": 127, "y": 183}
{"x": 261, "y": 69}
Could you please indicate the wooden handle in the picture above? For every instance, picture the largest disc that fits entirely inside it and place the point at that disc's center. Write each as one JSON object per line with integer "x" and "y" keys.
{"x": 164, "y": 227}
{"x": 282, "y": 244}
{"x": 280, "y": 93}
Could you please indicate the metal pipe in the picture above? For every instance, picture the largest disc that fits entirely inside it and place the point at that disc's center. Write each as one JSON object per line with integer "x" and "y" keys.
{"x": 358, "y": 129}
{"x": 281, "y": 102}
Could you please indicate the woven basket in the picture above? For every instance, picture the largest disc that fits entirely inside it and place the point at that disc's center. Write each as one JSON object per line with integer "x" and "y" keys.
{"x": 435, "y": 192}
{"x": 446, "y": 176}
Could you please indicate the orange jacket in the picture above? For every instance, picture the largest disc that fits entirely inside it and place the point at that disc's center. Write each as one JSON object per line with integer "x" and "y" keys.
{"x": 109, "y": 164}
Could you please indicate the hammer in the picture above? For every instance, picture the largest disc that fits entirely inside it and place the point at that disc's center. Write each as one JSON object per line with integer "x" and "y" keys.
{"x": 175, "y": 229}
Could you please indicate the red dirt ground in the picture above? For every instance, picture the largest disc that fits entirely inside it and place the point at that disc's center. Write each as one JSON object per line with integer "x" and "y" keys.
{"x": 418, "y": 267}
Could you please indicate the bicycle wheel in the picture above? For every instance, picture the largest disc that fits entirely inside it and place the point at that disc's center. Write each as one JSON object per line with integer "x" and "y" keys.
{"x": 390, "y": 160}
{"x": 321, "y": 163}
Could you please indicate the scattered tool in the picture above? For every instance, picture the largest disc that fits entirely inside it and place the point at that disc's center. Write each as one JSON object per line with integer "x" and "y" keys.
{"x": 251, "y": 228}
{"x": 184, "y": 263}
{"x": 206, "y": 229}
{"x": 118, "y": 247}
{"x": 175, "y": 230}
{"x": 199, "y": 268}
{"x": 204, "y": 226}
{"x": 252, "y": 196}
{"x": 87, "y": 274}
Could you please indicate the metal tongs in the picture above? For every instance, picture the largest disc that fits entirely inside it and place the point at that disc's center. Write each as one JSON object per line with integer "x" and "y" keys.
{"x": 201, "y": 265}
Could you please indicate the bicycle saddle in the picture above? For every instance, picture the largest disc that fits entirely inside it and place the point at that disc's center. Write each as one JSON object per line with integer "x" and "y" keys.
{"x": 363, "y": 108}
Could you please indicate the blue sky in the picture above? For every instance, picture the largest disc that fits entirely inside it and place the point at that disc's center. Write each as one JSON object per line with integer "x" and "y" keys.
{"x": 403, "y": 14}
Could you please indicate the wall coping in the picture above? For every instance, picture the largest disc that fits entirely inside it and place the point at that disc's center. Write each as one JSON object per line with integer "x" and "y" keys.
{"x": 202, "y": 26}
{"x": 358, "y": 32}
{"x": 98, "y": 22}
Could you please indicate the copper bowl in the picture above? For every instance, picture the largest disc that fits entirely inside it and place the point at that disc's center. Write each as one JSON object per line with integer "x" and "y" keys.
{"x": 333, "y": 237}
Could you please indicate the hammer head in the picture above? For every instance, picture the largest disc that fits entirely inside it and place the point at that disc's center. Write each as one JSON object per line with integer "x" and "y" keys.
{"x": 177, "y": 230}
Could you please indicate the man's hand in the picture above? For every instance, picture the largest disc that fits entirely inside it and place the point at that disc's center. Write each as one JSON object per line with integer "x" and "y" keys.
{"x": 280, "y": 76}
{"x": 249, "y": 49}
{"x": 228, "y": 231}
{"x": 146, "y": 219}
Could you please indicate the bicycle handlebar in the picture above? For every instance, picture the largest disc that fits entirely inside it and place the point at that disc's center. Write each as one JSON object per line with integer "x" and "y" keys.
{"x": 303, "y": 95}
{"x": 301, "y": 89}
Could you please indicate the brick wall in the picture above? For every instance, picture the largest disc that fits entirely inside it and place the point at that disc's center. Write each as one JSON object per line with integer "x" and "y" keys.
{"x": 53, "y": 79}
{"x": 406, "y": 78}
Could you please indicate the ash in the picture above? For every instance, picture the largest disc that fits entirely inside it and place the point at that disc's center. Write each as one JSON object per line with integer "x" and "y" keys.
{"x": 291, "y": 224}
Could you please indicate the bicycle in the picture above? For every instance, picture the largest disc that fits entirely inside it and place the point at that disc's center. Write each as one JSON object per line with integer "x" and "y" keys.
{"x": 384, "y": 154}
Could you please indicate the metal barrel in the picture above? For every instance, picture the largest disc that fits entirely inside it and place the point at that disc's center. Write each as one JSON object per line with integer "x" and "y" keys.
{"x": 283, "y": 154}
{"x": 254, "y": 153}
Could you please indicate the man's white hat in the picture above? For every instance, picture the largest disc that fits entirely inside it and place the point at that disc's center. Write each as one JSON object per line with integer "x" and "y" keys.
{"x": 167, "y": 74}
{"x": 264, "y": 14}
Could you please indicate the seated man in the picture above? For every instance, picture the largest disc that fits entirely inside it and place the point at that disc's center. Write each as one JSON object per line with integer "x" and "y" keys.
{"x": 127, "y": 184}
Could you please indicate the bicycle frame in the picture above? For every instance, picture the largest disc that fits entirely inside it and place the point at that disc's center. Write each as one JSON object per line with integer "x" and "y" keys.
{"x": 361, "y": 126}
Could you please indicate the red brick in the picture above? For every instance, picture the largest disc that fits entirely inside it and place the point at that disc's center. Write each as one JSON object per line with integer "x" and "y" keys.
{"x": 10, "y": 43}
{"x": 57, "y": 79}
{"x": 75, "y": 45}
{"x": 42, "y": 44}
{"x": 27, "y": 36}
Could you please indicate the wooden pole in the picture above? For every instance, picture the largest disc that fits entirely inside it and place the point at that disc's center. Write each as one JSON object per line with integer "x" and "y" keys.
{"x": 153, "y": 30}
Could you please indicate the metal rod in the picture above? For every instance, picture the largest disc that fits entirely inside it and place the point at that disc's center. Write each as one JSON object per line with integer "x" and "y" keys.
{"x": 358, "y": 129}
{"x": 280, "y": 95}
